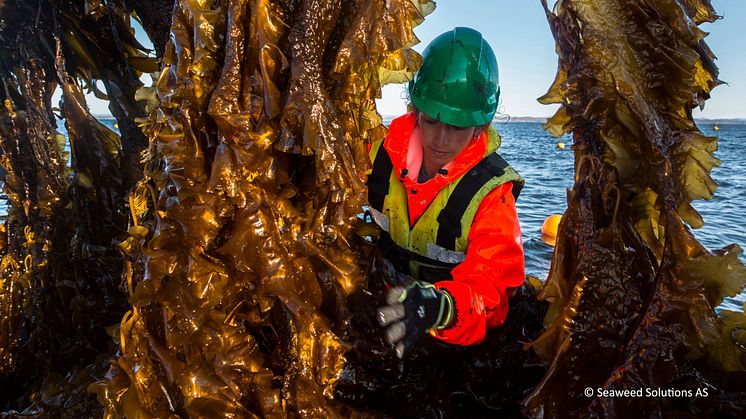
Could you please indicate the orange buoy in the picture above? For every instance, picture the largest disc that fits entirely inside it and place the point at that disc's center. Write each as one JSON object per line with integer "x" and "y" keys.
{"x": 549, "y": 229}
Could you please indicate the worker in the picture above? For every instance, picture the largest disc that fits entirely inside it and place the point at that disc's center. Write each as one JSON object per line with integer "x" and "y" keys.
{"x": 445, "y": 201}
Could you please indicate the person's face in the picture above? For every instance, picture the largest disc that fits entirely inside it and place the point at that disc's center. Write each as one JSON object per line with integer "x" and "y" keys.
{"x": 441, "y": 142}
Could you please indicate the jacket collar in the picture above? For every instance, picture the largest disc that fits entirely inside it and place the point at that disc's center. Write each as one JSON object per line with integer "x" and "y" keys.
{"x": 397, "y": 145}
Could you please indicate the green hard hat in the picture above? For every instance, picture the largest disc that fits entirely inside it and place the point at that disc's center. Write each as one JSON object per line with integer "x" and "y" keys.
{"x": 458, "y": 81}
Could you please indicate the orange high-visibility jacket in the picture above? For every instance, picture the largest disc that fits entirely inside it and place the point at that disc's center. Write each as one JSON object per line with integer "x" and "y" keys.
{"x": 493, "y": 264}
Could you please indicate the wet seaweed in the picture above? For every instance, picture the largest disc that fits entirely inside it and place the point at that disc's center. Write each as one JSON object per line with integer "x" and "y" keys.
{"x": 629, "y": 282}
{"x": 60, "y": 273}
{"x": 246, "y": 288}
{"x": 238, "y": 261}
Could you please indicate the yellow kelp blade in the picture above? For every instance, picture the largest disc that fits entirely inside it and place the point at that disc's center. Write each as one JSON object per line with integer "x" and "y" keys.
{"x": 242, "y": 261}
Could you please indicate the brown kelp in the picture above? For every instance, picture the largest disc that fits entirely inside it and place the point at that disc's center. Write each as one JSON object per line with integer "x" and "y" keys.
{"x": 60, "y": 273}
{"x": 245, "y": 276}
{"x": 629, "y": 283}
{"x": 239, "y": 258}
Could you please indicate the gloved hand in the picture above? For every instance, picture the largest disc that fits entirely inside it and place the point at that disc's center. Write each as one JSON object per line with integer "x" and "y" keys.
{"x": 412, "y": 311}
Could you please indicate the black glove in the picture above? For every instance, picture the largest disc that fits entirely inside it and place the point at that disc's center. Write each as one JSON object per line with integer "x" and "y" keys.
{"x": 412, "y": 311}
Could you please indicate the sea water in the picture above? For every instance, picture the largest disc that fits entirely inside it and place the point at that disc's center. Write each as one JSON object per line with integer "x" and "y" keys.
{"x": 548, "y": 171}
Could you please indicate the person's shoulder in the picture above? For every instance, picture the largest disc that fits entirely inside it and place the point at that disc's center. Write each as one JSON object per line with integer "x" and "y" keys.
{"x": 406, "y": 121}
{"x": 399, "y": 131}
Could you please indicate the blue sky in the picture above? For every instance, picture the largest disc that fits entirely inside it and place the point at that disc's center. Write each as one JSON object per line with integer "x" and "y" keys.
{"x": 519, "y": 33}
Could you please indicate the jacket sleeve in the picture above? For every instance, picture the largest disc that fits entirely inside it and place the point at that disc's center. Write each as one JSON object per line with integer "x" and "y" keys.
{"x": 493, "y": 267}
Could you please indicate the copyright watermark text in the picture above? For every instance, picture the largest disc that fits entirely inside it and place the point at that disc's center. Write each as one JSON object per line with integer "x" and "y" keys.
{"x": 646, "y": 392}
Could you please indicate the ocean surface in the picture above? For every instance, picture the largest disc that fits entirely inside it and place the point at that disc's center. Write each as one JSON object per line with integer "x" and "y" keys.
{"x": 548, "y": 171}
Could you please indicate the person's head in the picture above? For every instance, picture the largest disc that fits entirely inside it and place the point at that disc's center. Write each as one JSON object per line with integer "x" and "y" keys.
{"x": 455, "y": 92}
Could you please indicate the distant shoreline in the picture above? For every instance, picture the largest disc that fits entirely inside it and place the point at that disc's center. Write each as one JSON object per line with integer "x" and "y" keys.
{"x": 724, "y": 121}
{"x": 541, "y": 120}
{"x": 537, "y": 119}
